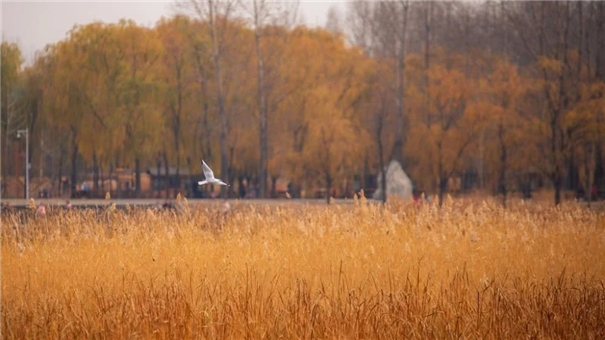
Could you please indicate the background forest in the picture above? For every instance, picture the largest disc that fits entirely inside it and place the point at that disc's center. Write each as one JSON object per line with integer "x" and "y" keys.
{"x": 487, "y": 96}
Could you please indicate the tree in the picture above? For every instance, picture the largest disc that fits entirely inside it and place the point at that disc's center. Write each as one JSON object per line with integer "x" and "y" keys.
{"x": 215, "y": 15}
{"x": 96, "y": 135}
{"x": 390, "y": 27}
{"x": 61, "y": 108}
{"x": 199, "y": 41}
{"x": 12, "y": 115}
{"x": 503, "y": 93}
{"x": 260, "y": 12}
{"x": 378, "y": 120}
{"x": 176, "y": 67}
{"x": 333, "y": 20}
{"x": 140, "y": 86}
{"x": 452, "y": 128}
{"x": 320, "y": 116}
{"x": 545, "y": 30}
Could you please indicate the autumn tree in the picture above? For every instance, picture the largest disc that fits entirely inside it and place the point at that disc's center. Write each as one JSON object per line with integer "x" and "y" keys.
{"x": 215, "y": 16}
{"x": 260, "y": 11}
{"x": 373, "y": 107}
{"x": 139, "y": 87}
{"x": 62, "y": 109}
{"x": 453, "y": 89}
{"x": 320, "y": 118}
{"x": 11, "y": 106}
{"x": 176, "y": 69}
{"x": 201, "y": 55}
{"x": 549, "y": 33}
{"x": 452, "y": 128}
{"x": 93, "y": 92}
{"x": 503, "y": 92}
{"x": 53, "y": 138}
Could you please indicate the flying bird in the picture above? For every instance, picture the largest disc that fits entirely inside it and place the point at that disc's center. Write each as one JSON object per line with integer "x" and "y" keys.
{"x": 210, "y": 176}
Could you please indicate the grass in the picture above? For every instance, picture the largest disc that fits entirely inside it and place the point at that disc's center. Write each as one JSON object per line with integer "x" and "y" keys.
{"x": 471, "y": 270}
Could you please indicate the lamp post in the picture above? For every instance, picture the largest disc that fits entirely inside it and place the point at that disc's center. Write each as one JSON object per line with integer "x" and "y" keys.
{"x": 26, "y": 133}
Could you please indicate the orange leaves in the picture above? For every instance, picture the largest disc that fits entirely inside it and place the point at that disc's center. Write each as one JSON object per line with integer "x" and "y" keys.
{"x": 586, "y": 119}
{"x": 103, "y": 83}
{"x": 449, "y": 91}
{"x": 318, "y": 117}
{"x": 550, "y": 65}
{"x": 183, "y": 84}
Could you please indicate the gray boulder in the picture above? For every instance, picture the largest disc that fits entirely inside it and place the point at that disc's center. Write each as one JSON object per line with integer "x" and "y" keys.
{"x": 398, "y": 182}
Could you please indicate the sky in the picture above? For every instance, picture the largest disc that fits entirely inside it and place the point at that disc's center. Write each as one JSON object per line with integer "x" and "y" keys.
{"x": 34, "y": 24}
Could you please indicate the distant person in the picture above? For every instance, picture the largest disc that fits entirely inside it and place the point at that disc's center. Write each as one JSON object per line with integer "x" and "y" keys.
{"x": 67, "y": 205}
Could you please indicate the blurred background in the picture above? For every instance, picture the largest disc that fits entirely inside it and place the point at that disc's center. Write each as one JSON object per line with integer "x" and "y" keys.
{"x": 303, "y": 99}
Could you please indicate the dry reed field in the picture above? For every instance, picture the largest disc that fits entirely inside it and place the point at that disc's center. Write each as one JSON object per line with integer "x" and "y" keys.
{"x": 470, "y": 270}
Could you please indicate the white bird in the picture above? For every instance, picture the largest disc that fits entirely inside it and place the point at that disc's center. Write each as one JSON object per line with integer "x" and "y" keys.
{"x": 210, "y": 176}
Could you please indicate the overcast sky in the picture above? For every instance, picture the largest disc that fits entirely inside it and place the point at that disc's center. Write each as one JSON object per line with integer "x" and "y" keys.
{"x": 33, "y": 24}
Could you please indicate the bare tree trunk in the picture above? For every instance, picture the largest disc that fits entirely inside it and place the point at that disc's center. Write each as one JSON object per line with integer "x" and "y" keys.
{"x": 427, "y": 62}
{"x": 590, "y": 165}
{"x": 503, "y": 159}
{"x": 558, "y": 183}
{"x": 328, "y": 188}
{"x": 61, "y": 159}
{"x": 216, "y": 56}
{"x": 397, "y": 153}
{"x": 600, "y": 57}
{"x": 383, "y": 171}
{"x": 273, "y": 186}
{"x": 442, "y": 178}
{"x": 206, "y": 150}
{"x": 176, "y": 128}
{"x": 442, "y": 188}
{"x": 158, "y": 176}
{"x": 189, "y": 183}
{"x": 41, "y": 155}
{"x": 167, "y": 172}
{"x": 118, "y": 181}
{"x": 137, "y": 177}
{"x": 261, "y": 99}
{"x": 102, "y": 178}
{"x": 178, "y": 175}
{"x": 74, "y": 158}
{"x": 366, "y": 171}
{"x": 4, "y": 164}
{"x": 95, "y": 180}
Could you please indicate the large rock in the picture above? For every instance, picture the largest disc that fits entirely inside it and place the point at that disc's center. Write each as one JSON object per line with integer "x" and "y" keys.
{"x": 398, "y": 182}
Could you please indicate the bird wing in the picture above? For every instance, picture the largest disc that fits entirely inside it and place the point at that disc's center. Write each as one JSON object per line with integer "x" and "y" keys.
{"x": 207, "y": 171}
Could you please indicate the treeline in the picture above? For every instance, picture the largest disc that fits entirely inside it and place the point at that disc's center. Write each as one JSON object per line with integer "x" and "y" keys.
{"x": 489, "y": 91}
